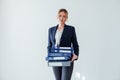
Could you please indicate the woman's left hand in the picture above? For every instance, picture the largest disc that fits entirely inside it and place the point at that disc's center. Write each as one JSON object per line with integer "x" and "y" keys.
{"x": 74, "y": 57}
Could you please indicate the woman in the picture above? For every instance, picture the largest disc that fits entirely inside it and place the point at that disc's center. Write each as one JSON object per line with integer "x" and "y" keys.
{"x": 63, "y": 35}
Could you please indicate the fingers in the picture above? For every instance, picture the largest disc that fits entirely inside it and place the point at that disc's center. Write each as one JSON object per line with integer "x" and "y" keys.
{"x": 72, "y": 60}
{"x": 74, "y": 57}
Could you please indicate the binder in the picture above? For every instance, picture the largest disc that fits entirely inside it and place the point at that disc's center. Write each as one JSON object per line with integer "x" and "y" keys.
{"x": 61, "y": 49}
{"x": 59, "y": 54}
{"x": 65, "y": 63}
{"x": 58, "y": 58}
{"x": 64, "y": 48}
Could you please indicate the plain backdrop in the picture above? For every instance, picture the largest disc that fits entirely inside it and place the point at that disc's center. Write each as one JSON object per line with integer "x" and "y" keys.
{"x": 24, "y": 37}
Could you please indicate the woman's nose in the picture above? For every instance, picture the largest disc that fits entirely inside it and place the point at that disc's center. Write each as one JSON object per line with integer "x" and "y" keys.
{"x": 61, "y": 18}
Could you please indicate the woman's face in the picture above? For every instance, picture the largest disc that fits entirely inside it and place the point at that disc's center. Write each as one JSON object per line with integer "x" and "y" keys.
{"x": 62, "y": 17}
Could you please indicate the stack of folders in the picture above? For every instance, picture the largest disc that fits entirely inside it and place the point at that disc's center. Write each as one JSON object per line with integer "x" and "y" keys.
{"x": 59, "y": 56}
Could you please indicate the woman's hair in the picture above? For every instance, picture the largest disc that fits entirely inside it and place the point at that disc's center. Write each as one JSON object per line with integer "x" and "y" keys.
{"x": 63, "y": 10}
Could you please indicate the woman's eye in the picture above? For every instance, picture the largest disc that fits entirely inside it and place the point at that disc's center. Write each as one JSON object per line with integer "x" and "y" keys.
{"x": 64, "y": 16}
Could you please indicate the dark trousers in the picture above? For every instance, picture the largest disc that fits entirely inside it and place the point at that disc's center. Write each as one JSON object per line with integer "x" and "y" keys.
{"x": 63, "y": 73}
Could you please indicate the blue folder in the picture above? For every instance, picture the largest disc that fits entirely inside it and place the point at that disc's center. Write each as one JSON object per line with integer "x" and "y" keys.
{"x": 59, "y": 55}
{"x": 56, "y": 58}
{"x": 61, "y": 49}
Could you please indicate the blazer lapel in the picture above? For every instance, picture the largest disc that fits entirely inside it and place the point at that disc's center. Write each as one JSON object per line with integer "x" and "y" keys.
{"x": 54, "y": 32}
{"x": 64, "y": 32}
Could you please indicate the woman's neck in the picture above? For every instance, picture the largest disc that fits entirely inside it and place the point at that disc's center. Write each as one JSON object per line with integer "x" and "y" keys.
{"x": 60, "y": 27}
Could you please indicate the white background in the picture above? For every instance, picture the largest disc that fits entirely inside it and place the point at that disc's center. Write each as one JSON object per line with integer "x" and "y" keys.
{"x": 24, "y": 31}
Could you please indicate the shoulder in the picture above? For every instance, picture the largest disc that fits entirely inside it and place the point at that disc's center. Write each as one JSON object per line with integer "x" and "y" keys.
{"x": 51, "y": 28}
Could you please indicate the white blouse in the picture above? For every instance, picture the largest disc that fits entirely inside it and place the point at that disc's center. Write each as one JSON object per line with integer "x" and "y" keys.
{"x": 58, "y": 37}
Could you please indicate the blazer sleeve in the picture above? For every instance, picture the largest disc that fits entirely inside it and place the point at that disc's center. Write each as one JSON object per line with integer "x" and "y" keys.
{"x": 49, "y": 40}
{"x": 74, "y": 42}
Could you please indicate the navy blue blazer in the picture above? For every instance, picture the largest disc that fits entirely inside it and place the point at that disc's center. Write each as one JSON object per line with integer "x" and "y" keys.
{"x": 68, "y": 38}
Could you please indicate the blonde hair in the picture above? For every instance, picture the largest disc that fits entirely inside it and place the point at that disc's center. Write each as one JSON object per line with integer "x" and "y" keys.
{"x": 63, "y": 10}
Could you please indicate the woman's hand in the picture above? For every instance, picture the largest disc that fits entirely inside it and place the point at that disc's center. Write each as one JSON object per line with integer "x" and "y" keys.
{"x": 74, "y": 57}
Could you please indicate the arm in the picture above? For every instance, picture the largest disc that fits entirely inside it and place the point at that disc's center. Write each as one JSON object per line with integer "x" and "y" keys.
{"x": 75, "y": 45}
{"x": 49, "y": 41}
